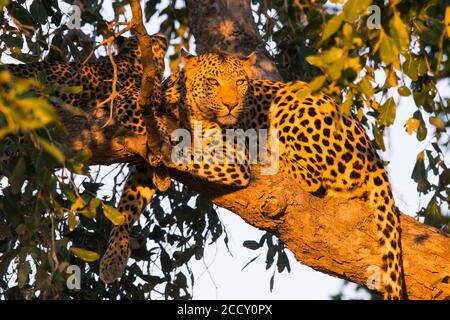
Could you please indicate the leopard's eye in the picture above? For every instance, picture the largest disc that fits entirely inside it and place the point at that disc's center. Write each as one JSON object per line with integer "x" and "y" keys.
{"x": 240, "y": 82}
{"x": 212, "y": 81}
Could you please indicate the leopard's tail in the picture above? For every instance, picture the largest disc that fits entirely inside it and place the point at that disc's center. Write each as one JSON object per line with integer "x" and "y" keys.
{"x": 387, "y": 218}
{"x": 137, "y": 193}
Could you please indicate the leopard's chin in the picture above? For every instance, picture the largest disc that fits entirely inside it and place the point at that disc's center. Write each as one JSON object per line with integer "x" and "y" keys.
{"x": 227, "y": 120}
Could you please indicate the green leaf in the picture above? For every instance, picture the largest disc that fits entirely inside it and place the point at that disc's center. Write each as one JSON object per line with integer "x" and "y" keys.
{"x": 84, "y": 254}
{"x": 317, "y": 61}
{"x": 414, "y": 66}
{"x": 346, "y": 106}
{"x": 387, "y": 112}
{"x": 353, "y": 8}
{"x": 378, "y": 138}
{"x": 20, "y": 14}
{"x": 419, "y": 174}
{"x": 3, "y": 3}
{"x": 422, "y": 131}
{"x": 317, "y": 83}
{"x": 252, "y": 245}
{"x": 404, "y": 91}
{"x": 78, "y": 204}
{"x": 72, "y": 221}
{"x": 52, "y": 149}
{"x": 71, "y": 89}
{"x": 435, "y": 121}
{"x": 281, "y": 263}
{"x": 38, "y": 11}
{"x": 433, "y": 208}
{"x": 113, "y": 215}
{"x": 272, "y": 280}
{"x": 388, "y": 50}
{"x": 444, "y": 178}
{"x": 366, "y": 87}
{"x": 166, "y": 262}
{"x": 18, "y": 176}
{"x": 399, "y": 33}
{"x": 332, "y": 26}
{"x": 270, "y": 258}
{"x": 37, "y": 113}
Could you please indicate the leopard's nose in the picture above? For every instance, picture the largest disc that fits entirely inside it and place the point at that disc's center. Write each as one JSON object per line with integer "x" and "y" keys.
{"x": 231, "y": 105}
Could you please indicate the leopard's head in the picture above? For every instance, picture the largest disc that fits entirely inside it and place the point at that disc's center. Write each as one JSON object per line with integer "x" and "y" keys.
{"x": 216, "y": 85}
{"x": 129, "y": 46}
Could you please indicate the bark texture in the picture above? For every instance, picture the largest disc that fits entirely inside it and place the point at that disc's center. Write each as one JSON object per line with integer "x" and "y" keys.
{"x": 228, "y": 25}
{"x": 330, "y": 235}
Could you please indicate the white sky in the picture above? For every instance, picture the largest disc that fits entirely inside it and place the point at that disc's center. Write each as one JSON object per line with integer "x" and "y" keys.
{"x": 219, "y": 275}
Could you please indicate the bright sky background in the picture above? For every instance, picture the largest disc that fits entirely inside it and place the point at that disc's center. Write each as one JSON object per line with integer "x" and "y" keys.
{"x": 219, "y": 275}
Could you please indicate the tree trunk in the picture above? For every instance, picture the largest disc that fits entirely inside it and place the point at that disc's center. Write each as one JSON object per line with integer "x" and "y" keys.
{"x": 334, "y": 236}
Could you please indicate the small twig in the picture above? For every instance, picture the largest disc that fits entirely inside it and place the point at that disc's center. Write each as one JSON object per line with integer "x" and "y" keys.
{"x": 106, "y": 41}
{"x": 53, "y": 253}
{"x": 113, "y": 94}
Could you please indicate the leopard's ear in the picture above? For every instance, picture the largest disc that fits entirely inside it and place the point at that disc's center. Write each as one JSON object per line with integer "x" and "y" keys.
{"x": 248, "y": 62}
{"x": 187, "y": 59}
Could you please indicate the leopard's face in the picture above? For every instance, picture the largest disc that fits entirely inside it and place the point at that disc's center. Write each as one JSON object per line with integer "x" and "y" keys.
{"x": 216, "y": 85}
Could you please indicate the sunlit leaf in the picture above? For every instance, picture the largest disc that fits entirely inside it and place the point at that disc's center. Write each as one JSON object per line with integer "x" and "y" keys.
{"x": 404, "y": 91}
{"x": 346, "y": 106}
{"x": 52, "y": 149}
{"x": 366, "y": 87}
{"x": 84, "y": 254}
{"x": 412, "y": 124}
{"x": 435, "y": 121}
{"x": 387, "y": 112}
{"x": 353, "y": 8}
{"x": 399, "y": 32}
{"x": 317, "y": 83}
{"x": 447, "y": 21}
{"x": 113, "y": 215}
{"x": 433, "y": 208}
{"x": 388, "y": 50}
{"x": 72, "y": 221}
{"x": 332, "y": 26}
{"x": 78, "y": 204}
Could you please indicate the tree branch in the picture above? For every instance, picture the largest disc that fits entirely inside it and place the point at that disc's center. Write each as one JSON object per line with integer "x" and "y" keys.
{"x": 146, "y": 55}
{"x": 334, "y": 236}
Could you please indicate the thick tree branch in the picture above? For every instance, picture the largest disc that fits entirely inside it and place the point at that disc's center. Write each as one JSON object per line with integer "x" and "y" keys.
{"x": 333, "y": 236}
{"x": 146, "y": 54}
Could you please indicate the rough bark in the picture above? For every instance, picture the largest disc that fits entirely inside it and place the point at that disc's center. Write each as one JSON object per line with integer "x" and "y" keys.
{"x": 228, "y": 25}
{"x": 334, "y": 236}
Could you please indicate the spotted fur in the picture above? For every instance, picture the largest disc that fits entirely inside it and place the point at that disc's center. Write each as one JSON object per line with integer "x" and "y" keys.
{"x": 96, "y": 82}
{"x": 215, "y": 99}
{"x": 327, "y": 153}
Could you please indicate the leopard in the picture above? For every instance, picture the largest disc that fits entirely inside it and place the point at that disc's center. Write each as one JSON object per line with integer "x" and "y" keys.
{"x": 140, "y": 188}
{"x": 326, "y": 152}
{"x": 95, "y": 81}
{"x": 215, "y": 101}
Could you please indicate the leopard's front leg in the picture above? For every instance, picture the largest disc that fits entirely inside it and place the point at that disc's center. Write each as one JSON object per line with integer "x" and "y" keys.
{"x": 207, "y": 154}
